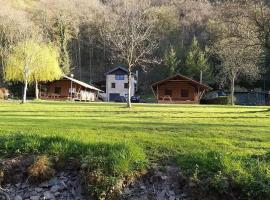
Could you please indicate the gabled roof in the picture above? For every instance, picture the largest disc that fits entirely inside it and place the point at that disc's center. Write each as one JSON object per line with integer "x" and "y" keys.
{"x": 116, "y": 68}
{"x": 183, "y": 77}
{"x": 82, "y": 83}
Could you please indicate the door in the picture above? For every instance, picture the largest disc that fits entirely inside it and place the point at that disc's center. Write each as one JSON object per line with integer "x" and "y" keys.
{"x": 114, "y": 96}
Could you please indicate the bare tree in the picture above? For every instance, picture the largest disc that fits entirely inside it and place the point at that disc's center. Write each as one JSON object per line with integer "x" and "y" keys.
{"x": 15, "y": 26}
{"x": 237, "y": 45}
{"x": 237, "y": 61}
{"x": 129, "y": 33}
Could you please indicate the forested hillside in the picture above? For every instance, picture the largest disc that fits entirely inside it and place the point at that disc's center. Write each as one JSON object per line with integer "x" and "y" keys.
{"x": 220, "y": 42}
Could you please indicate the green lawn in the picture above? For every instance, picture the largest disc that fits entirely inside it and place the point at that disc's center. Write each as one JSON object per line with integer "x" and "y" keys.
{"x": 229, "y": 146}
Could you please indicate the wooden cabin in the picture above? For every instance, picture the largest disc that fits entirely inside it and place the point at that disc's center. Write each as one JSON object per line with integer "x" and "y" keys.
{"x": 68, "y": 88}
{"x": 179, "y": 89}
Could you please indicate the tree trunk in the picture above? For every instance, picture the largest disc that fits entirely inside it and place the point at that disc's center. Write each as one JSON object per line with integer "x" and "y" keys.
{"x": 37, "y": 90}
{"x": 79, "y": 57}
{"x": 232, "y": 91}
{"x": 129, "y": 90}
{"x": 201, "y": 75}
{"x": 25, "y": 91}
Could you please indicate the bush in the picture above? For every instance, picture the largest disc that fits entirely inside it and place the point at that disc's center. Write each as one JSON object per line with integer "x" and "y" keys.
{"x": 41, "y": 169}
{"x": 223, "y": 100}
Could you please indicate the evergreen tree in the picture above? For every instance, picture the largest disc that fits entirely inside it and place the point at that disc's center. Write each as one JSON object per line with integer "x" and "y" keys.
{"x": 171, "y": 61}
{"x": 196, "y": 61}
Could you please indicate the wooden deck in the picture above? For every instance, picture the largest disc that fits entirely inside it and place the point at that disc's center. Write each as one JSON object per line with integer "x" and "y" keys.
{"x": 177, "y": 102}
{"x": 170, "y": 100}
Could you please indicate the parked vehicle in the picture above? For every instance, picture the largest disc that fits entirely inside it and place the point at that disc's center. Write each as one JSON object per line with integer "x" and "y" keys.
{"x": 135, "y": 99}
{"x": 120, "y": 99}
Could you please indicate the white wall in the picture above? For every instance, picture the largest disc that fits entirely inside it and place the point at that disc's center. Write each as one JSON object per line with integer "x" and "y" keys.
{"x": 119, "y": 86}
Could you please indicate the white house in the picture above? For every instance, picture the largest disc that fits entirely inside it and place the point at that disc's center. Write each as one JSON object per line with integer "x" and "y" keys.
{"x": 117, "y": 84}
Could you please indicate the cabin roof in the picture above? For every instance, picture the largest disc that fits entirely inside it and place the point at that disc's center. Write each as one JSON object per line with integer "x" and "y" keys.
{"x": 183, "y": 77}
{"x": 82, "y": 83}
{"x": 115, "y": 69}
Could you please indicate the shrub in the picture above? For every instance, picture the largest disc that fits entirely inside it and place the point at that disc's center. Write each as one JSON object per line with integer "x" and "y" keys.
{"x": 222, "y": 100}
{"x": 41, "y": 169}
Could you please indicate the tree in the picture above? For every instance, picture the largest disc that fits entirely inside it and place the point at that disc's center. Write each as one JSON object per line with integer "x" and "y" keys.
{"x": 237, "y": 61}
{"x": 171, "y": 61}
{"x": 28, "y": 62}
{"x": 47, "y": 68}
{"x": 129, "y": 34}
{"x": 237, "y": 44}
{"x": 59, "y": 21}
{"x": 197, "y": 59}
{"x": 14, "y": 26}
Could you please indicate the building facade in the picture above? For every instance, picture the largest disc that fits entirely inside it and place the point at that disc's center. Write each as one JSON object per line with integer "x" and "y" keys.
{"x": 179, "y": 89}
{"x": 68, "y": 88}
{"x": 117, "y": 84}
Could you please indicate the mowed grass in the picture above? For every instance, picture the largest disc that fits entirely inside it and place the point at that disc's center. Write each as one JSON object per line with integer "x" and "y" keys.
{"x": 227, "y": 146}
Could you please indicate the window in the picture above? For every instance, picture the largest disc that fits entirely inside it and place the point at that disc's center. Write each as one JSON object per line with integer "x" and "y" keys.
{"x": 113, "y": 85}
{"x": 168, "y": 92}
{"x": 57, "y": 90}
{"x": 119, "y": 77}
{"x": 125, "y": 85}
{"x": 184, "y": 93}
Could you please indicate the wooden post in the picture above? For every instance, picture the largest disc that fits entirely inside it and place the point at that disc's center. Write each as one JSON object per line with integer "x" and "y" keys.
{"x": 157, "y": 94}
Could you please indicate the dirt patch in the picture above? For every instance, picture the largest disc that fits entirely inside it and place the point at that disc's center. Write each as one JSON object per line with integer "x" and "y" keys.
{"x": 161, "y": 183}
{"x": 169, "y": 183}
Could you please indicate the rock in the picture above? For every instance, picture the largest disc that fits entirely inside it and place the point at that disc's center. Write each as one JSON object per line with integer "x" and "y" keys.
{"x": 183, "y": 195}
{"x": 56, "y": 188}
{"x": 35, "y": 197}
{"x": 18, "y": 197}
{"x": 38, "y": 189}
{"x": 53, "y": 181}
{"x": 64, "y": 186}
{"x": 44, "y": 184}
{"x": 48, "y": 195}
{"x": 142, "y": 187}
{"x": 24, "y": 185}
{"x": 57, "y": 194}
{"x": 161, "y": 196}
{"x": 63, "y": 183}
{"x": 164, "y": 177}
{"x": 172, "y": 198}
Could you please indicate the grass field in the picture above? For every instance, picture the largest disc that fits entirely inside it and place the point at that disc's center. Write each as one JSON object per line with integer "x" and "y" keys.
{"x": 227, "y": 146}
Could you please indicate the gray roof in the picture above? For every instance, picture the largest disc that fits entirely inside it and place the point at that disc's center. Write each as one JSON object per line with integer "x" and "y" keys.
{"x": 116, "y": 68}
{"x": 82, "y": 83}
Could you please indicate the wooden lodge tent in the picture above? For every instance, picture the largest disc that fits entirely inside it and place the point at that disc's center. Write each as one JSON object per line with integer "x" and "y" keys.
{"x": 179, "y": 89}
{"x": 69, "y": 88}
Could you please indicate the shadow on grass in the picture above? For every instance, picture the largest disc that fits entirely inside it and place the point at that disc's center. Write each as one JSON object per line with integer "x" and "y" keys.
{"x": 258, "y": 111}
{"x": 111, "y": 158}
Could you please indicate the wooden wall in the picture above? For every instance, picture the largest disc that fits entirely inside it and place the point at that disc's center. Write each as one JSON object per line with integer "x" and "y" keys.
{"x": 176, "y": 88}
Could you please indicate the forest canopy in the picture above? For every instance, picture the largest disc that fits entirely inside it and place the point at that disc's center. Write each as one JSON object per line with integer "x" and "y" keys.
{"x": 217, "y": 42}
